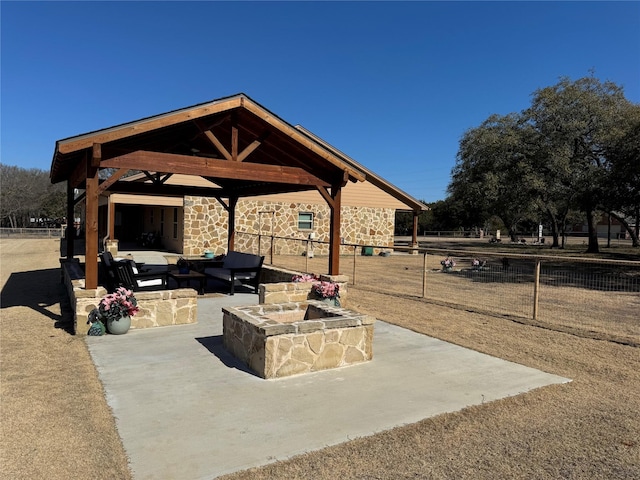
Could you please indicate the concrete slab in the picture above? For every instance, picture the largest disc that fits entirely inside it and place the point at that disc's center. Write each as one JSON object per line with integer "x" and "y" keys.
{"x": 187, "y": 409}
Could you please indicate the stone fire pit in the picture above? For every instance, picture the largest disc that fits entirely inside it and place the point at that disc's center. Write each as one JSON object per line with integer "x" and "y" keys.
{"x": 298, "y": 337}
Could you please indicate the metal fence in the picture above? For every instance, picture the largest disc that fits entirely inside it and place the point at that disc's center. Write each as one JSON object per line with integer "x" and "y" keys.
{"x": 596, "y": 298}
{"x": 32, "y": 232}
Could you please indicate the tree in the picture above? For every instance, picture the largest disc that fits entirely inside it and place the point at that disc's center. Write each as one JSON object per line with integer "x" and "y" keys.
{"x": 493, "y": 172}
{"x": 28, "y": 193}
{"x": 577, "y": 123}
{"x": 622, "y": 186}
{"x": 575, "y": 149}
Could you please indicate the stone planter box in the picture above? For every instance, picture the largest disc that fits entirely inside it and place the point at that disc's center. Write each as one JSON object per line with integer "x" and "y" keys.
{"x": 280, "y": 340}
{"x": 157, "y": 309}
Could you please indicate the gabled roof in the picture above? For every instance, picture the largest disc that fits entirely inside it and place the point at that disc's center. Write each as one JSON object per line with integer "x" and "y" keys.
{"x": 233, "y": 141}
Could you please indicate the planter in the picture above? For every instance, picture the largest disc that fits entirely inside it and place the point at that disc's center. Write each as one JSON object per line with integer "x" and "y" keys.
{"x": 331, "y": 301}
{"x": 447, "y": 269}
{"x": 119, "y": 327}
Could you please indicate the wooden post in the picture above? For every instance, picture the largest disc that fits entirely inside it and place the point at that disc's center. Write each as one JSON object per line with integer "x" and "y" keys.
{"x": 334, "y": 230}
{"x": 414, "y": 234}
{"x": 111, "y": 220}
{"x": 536, "y": 289}
{"x": 424, "y": 276}
{"x": 91, "y": 219}
{"x": 71, "y": 231}
{"x": 353, "y": 279}
{"x": 232, "y": 224}
{"x": 273, "y": 219}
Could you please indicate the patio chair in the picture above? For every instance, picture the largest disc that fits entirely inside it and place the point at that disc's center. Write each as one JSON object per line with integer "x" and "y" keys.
{"x": 123, "y": 273}
{"x": 108, "y": 273}
{"x": 128, "y": 276}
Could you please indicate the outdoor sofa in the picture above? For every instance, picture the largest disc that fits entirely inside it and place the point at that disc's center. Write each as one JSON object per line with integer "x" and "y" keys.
{"x": 237, "y": 268}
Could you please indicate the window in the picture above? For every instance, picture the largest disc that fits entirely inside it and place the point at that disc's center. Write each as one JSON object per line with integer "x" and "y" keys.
{"x": 305, "y": 221}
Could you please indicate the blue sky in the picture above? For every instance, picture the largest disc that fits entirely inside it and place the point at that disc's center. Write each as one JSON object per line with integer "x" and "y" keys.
{"x": 394, "y": 85}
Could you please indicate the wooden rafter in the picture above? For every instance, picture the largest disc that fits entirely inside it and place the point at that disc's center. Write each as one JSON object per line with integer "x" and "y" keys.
{"x": 240, "y": 157}
{"x": 117, "y": 133}
{"x": 218, "y": 144}
{"x": 299, "y": 137}
{"x": 111, "y": 180}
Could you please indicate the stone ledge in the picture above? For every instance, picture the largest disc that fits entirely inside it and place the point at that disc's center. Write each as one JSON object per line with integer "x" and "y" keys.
{"x": 157, "y": 309}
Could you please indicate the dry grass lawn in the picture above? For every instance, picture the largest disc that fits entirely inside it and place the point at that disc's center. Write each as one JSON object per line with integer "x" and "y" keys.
{"x": 56, "y": 423}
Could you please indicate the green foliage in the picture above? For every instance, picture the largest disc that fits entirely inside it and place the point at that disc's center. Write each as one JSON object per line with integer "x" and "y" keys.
{"x": 573, "y": 149}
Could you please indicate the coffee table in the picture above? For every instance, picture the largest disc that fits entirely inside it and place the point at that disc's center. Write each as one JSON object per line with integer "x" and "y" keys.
{"x": 192, "y": 275}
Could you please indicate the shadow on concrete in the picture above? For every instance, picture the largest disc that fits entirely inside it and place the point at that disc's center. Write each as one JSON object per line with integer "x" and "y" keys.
{"x": 214, "y": 345}
{"x": 39, "y": 289}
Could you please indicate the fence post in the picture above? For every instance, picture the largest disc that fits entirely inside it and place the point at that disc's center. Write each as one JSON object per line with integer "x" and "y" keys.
{"x": 536, "y": 289}
{"x": 353, "y": 277}
{"x": 424, "y": 275}
{"x": 306, "y": 257}
{"x": 271, "y": 248}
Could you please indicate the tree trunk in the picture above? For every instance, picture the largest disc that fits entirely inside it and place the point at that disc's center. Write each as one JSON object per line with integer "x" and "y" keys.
{"x": 593, "y": 232}
{"x": 554, "y": 228}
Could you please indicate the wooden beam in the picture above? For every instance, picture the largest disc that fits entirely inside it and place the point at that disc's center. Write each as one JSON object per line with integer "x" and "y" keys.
{"x": 232, "y": 223}
{"x": 301, "y": 138}
{"x": 234, "y": 137}
{"x": 71, "y": 231}
{"x": 91, "y": 221}
{"x": 414, "y": 234}
{"x": 111, "y": 180}
{"x": 248, "y": 150}
{"x": 334, "y": 231}
{"x": 79, "y": 174}
{"x": 164, "y": 190}
{"x": 213, "y": 139}
{"x": 96, "y": 156}
{"x": 327, "y": 196}
{"x": 111, "y": 219}
{"x": 208, "y": 167}
{"x": 142, "y": 126}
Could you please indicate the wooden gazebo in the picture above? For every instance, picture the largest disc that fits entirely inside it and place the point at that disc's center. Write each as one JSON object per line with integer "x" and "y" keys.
{"x": 234, "y": 142}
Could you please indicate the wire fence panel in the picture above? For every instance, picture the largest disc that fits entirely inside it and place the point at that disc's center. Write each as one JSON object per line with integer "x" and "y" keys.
{"x": 31, "y": 232}
{"x": 602, "y": 298}
{"x": 595, "y": 298}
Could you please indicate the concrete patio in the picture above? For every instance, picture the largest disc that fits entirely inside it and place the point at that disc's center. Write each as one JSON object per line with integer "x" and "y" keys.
{"x": 185, "y": 408}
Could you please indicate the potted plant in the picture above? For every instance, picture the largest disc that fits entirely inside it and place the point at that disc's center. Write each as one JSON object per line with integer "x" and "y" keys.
{"x": 448, "y": 264}
{"x": 326, "y": 291}
{"x": 329, "y": 292}
{"x": 477, "y": 264}
{"x": 114, "y": 311}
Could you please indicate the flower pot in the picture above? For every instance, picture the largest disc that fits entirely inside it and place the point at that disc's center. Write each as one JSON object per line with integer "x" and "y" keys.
{"x": 447, "y": 269}
{"x": 331, "y": 301}
{"x": 120, "y": 326}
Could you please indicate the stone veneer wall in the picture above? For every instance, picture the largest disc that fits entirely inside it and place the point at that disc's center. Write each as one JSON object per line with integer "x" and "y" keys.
{"x": 332, "y": 337}
{"x": 157, "y": 309}
{"x": 276, "y": 286}
{"x": 205, "y": 226}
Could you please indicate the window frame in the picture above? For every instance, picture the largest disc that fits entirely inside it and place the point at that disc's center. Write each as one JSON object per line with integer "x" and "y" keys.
{"x": 308, "y": 221}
